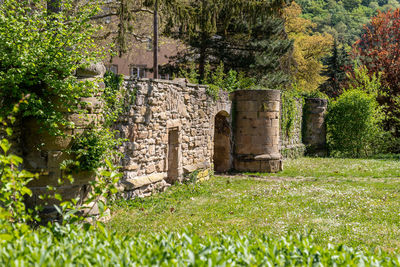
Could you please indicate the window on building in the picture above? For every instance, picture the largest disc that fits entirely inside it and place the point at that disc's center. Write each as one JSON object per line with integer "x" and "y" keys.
{"x": 138, "y": 71}
{"x": 113, "y": 68}
{"x": 164, "y": 76}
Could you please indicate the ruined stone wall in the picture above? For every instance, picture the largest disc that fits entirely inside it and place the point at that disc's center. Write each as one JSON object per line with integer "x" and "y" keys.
{"x": 314, "y": 126}
{"x": 170, "y": 133}
{"x": 291, "y": 144}
{"x": 43, "y": 153}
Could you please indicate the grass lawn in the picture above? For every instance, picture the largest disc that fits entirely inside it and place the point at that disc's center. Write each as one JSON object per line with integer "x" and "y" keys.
{"x": 350, "y": 201}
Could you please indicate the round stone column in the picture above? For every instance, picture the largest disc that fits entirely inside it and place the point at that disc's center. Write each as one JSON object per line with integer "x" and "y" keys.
{"x": 314, "y": 128}
{"x": 256, "y": 130}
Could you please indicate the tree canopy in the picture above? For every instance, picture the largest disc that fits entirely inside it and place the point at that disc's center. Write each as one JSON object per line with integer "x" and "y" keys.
{"x": 40, "y": 52}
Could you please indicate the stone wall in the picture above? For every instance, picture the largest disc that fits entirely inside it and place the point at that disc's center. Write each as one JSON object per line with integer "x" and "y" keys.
{"x": 291, "y": 145}
{"x": 170, "y": 132}
{"x": 314, "y": 128}
{"x": 43, "y": 153}
{"x": 174, "y": 129}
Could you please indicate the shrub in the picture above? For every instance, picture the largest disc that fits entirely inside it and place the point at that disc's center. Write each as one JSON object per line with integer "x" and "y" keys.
{"x": 70, "y": 246}
{"x": 289, "y": 116}
{"x": 354, "y": 125}
{"x": 39, "y": 55}
{"x": 13, "y": 180}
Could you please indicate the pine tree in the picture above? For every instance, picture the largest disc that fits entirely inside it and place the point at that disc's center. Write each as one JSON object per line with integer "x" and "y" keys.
{"x": 245, "y": 35}
{"x": 335, "y": 71}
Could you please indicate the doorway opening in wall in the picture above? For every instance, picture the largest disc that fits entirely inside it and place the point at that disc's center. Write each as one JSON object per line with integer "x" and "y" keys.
{"x": 173, "y": 155}
{"x": 222, "y": 143}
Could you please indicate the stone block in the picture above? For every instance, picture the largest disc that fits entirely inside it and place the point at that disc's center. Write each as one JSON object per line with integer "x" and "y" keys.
{"x": 247, "y": 166}
{"x": 154, "y": 178}
{"x": 269, "y": 115}
{"x": 248, "y": 115}
{"x": 131, "y": 167}
{"x": 270, "y": 106}
{"x": 261, "y": 140}
{"x": 243, "y": 139}
{"x": 142, "y": 134}
{"x": 130, "y": 184}
{"x": 275, "y": 123}
{"x": 92, "y": 104}
{"x": 83, "y": 120}
{"x": 55, "y": 158}
{"x": 94, "y": 70}
{"x": 271, "y": 166}
{"x": 247, "y": 106}
{"x": 150, "y": 169}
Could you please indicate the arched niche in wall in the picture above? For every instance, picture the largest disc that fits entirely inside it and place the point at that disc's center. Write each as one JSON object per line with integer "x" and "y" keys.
{"x": 222, "y": 142}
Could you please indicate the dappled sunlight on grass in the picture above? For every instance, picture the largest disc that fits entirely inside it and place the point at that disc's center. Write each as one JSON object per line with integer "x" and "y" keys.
{"x": 338, "y": 167}
{"x": 358, "y": 211}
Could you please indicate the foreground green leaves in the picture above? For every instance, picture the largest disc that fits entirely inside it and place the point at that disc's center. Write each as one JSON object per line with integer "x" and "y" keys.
{"x": 71, "y": 246}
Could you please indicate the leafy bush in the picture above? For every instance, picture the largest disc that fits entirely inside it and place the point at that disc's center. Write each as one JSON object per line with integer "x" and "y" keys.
{"x": 93, "y": 147}
{"x": 289, "y": 113}
{"x": 39, "y": 55}
{"x": 354, "y": 125}
{"x": 217, "y": 79}
{"x": 113, "y": 97}
{"x": 71, "y": 246}
{"x": 13, "y": 180}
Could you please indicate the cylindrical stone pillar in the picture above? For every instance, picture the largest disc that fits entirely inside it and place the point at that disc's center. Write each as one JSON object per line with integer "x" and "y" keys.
{"x": 314, "y": 128}
{"x": 256, "y": 130}
{"x": 43, "y": 153}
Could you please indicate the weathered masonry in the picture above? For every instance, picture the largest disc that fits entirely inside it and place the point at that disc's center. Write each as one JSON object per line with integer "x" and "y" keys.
{"x": 175, "y": 129}
{"x": 170, "y": 132}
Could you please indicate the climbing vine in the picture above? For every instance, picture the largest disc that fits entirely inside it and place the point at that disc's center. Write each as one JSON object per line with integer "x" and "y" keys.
{"x": 96, "y": 145}
{"x": 113, "y": 97}
{"x": 289, "y": 111}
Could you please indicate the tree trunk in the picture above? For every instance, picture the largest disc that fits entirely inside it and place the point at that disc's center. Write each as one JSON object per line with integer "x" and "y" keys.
{"x": 202, "y": 58}
{"x": 155, "y": 41}
{"x": 203, "y": 42}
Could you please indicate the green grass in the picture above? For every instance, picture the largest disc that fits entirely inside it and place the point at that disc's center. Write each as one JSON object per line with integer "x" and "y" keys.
{"x": 350, "y": 201}
{"x": 338, "y": 167}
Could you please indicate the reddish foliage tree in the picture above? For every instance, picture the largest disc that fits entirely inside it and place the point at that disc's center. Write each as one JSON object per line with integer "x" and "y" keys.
{"x": 379, "y": 50}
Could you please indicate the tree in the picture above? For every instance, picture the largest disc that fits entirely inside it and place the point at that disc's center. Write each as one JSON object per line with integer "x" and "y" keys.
{"x": 309, "y": 49}
{"x": 343, "y": 19}
{"x": 245, "y": 35}
{"x": 126, "y": 21}
{"x": 379, "y": 50}
{"x": 335, "y": 71}
{"x": 36, "y": 58}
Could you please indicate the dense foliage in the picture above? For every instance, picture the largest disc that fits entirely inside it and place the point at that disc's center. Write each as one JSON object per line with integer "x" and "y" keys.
{"x": 343, "y": 19}
{"x": 13, "y": 180}
{"x": 308, "y": 50}
{"x": 218, "y": 79}
{"x": 247, "y": 36}
{"x": 39, "y": 54}
{"x": 354, "y": 124}
{"x": 335, "y": 71}
{"x": 70, "y": 246}
{"x": 379, "y": 50}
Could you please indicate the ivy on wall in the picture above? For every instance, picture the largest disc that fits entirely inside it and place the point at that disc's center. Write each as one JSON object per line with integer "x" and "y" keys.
{"x": 289, "y": 109}
{"x": 95, "y": 145}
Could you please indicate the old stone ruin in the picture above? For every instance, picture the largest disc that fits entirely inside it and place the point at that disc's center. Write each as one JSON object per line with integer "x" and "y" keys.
{"x": 174, "y": 129}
